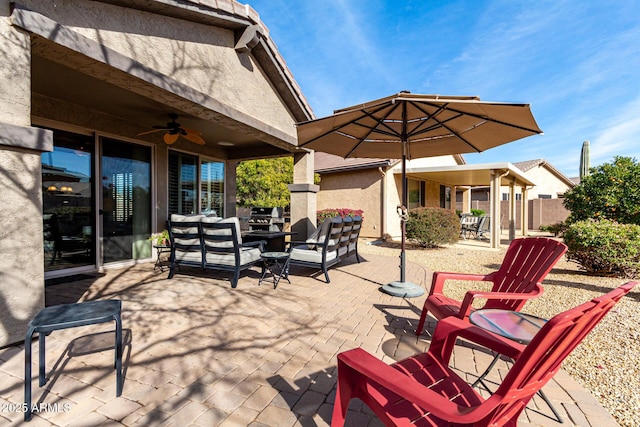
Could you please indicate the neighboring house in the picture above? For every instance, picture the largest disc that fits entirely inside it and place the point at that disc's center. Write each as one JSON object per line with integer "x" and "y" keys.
{"x": 81, "y": 187}
{"x": 374, "y": 185}
{"x": 544, "y": 198}
{"x": 550, "y": 183}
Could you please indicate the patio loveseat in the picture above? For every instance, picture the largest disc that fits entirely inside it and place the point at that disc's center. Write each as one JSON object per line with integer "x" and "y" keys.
{"x": 211, "y": 243}
{"x": 335, "y": 240}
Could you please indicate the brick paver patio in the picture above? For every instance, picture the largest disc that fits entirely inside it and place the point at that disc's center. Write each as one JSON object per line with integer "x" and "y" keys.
{"x": 201, "y": 353}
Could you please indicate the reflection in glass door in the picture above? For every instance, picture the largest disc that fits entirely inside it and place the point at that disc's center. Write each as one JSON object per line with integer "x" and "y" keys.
{"x": 212, "y": 187}
{"x": 126, "y": 201}
{"x": 67, "y": 202}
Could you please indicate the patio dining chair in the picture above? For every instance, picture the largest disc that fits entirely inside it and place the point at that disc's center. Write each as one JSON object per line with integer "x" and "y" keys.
{"x": 483, "y": 228}
{"x": 525, "y": 265}
{"x": 468, "y": 225}
{"x": 423, "y": 390}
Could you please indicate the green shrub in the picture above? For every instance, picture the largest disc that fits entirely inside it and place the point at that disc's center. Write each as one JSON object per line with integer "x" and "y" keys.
{"x": 341, "y": 212}
{"x": 611, "y": 191}
{"x": 605, "y": 247}
{"x": 432, "y": 227}
{"x": 477, "y": 212}
{"x": 556, "y": 229}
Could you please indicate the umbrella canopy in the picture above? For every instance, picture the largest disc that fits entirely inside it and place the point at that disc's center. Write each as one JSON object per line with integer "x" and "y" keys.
{"x": 408, "y": 126}
{"x": 418, "y": 126}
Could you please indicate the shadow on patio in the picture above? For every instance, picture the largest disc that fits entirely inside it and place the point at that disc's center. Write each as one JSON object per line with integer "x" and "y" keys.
{"x": 201, "y": 353}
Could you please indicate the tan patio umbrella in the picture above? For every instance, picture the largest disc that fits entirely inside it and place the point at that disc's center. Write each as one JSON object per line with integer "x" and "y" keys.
{"x": 408, "y": 126}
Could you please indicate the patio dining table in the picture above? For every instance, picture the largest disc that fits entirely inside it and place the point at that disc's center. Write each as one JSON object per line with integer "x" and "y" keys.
{"x": 275, "y": 239}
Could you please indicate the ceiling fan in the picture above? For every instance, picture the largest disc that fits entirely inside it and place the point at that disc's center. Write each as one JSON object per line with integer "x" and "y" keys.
{"x": 173, "y": 130}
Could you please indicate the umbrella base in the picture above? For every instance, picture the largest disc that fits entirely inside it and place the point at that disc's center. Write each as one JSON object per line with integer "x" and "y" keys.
{"x": 403, "y": 289}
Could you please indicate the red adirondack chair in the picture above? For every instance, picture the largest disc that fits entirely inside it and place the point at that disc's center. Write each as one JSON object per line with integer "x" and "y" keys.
{"x": 526, "y": 263}
{"x": 423, "y": 391}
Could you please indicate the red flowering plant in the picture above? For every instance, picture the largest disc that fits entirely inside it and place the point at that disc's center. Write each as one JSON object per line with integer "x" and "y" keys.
{"x": 341, "y": 212}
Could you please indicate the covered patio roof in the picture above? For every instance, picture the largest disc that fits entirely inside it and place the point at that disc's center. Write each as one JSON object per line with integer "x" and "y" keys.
{"x": 472, "y": 175}
{"x": 493, "y": 175}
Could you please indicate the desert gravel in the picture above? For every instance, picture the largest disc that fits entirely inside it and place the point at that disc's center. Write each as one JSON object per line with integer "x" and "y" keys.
{"x": 607, "y": 363}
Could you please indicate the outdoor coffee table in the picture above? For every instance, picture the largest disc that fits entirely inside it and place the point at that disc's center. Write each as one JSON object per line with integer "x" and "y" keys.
{"x": 276, "y": 263}
{"x": 514, "y": 325}
{"x": 66, "y": 316}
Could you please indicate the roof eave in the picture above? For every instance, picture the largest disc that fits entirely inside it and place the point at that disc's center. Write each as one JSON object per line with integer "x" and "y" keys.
{"x": 349, "y": 168}
{"x": 237, "y": 17}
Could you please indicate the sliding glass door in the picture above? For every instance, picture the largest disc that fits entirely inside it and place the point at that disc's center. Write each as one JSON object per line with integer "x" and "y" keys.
{"x": 126, "y": 200}
{"x": 68, "y": 202}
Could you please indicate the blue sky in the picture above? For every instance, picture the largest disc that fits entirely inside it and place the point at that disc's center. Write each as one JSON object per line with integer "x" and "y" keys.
{"x": 576, "y": 62}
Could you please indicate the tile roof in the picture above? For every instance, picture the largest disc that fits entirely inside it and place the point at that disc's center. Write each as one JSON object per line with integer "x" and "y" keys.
{"x": 530, "y": 164}
{"x": 327, "y": 163}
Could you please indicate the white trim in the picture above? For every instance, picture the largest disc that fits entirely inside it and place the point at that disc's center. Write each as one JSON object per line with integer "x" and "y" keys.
{"x": 40, "y": 121}
{"x": 513, "y": 170}
{"x": 64, "y": 272}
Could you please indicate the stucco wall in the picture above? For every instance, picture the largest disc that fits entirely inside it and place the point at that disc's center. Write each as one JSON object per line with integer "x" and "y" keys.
{"x": 21, "y": 250}
{"x": 432, "y": 199}
{"x": 356, "y": 190}
{"x": 546, "y": 212}
{"x": 197, "y": 55}
{"x": 546, "y": 183}
{"x": 541, "y": 212}
{"x": 14, "y": 72}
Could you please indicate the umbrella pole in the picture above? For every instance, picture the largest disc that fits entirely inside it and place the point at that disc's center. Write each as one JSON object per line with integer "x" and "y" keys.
{"x": 403, "y": 288}
{"x": 404, "y": 215}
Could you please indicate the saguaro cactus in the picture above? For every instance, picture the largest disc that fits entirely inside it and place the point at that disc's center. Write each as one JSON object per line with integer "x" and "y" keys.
{"x": 584, "y": 160}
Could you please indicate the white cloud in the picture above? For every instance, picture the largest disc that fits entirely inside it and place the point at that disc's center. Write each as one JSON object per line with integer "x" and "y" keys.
{"x": 620, "y": 135}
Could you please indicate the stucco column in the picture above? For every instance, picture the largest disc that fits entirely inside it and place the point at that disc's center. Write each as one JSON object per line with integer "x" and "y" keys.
{"x": 21, "y": 227}
{"x": 230, "y": 188}
{"x": 495, "y": 209}
{"x": 524, "y": 211}
{"x": 453, "y": 206}
{"x": 466, "y": 199}
{"x": 303, "y": 196}
{"x": 512, "y": 210}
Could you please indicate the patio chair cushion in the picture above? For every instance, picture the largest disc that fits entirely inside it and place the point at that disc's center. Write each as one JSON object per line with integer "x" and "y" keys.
{"x": 353, "y": 237}
{"x": 211, "y": 246}
{"x": 318, "y": 236}
{"x": 186, "y": 238}
{"x": 311, "y": 255}
{"x": 347, "y": 227}
{"x": 192, "y": 256}
{"x": 187, "y": 229}
{"x": 247, "y": 255}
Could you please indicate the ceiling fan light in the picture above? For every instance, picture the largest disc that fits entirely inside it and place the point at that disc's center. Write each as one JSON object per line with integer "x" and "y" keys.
{"x": 170, "y": 138}
{"x": 226, "y": 144}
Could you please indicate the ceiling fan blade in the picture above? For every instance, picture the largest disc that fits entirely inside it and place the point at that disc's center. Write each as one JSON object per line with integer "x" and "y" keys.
{"x": 170, "y": 138}
{"x": 193, "y": 136}
{"x": 152, "y": 131}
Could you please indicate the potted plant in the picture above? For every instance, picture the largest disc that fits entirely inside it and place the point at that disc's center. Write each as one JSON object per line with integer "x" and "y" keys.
{"x": 160, "y": 239}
